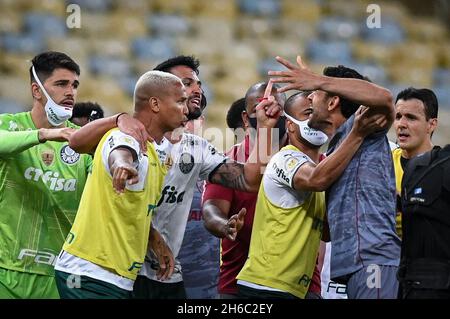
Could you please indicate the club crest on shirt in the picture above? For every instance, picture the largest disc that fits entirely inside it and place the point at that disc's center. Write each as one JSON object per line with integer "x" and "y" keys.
{"x": 290, "y": 163}
{"x": 48, "y": 156}
{"x": 127, "y": 140}
{"x": 168, "y": 162}
{"x": 186, "y": 163}
{"x": 68, "y": 155}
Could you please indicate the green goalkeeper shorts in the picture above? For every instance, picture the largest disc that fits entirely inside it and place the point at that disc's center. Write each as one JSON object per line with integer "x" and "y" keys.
{"x": 23, "y": 285}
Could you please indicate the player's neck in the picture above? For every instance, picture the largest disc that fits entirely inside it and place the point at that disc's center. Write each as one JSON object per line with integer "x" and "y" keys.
{"x": 152, "y": 125}
{"x": 425, "y": 147}
{"x": 156, "y": 133}
{"x": 175, "y": 136}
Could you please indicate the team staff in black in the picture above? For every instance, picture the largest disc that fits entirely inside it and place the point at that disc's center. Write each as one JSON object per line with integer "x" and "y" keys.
{"x": 425, "y": 263}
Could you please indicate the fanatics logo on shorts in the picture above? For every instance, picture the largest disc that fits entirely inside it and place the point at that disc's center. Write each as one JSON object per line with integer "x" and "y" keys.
{"x": 186, "y": 163}
{"x": 48, "y": 156}
{"x": 68, "y": 155}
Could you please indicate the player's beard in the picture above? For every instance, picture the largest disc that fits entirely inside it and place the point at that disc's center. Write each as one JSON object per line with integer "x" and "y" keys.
{"x": 195, "y": 114}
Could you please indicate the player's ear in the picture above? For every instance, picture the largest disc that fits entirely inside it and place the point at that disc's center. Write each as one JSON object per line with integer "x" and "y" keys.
{"x": 36, "y": 91}
{"x": 290, "y": 126}
{"x": 154, "y": 103}
{"x": 432, "y": 124}
{"x": 333, "y": 102}
{"x": 244, "y": 117}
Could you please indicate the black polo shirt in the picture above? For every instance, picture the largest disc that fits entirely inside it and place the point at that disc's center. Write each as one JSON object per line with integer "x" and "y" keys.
{"x": 426, "y": 205}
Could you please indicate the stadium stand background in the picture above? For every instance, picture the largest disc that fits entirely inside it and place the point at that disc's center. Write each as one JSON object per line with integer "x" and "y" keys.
{"x": 236, "y": 41}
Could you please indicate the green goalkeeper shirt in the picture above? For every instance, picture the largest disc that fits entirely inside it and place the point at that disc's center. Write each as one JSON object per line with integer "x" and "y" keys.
{"x": 40, "y": 189}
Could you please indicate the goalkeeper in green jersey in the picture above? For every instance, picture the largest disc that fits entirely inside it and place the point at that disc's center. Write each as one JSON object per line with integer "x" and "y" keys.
{"x": 41, "y": 179}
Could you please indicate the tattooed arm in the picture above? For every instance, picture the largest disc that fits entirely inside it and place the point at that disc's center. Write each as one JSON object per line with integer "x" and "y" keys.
{"x": 232, "y": 174}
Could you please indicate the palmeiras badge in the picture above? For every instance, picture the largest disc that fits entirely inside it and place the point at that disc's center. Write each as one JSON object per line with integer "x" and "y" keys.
{"x": 68, "y": 155}
{"x": 186, "y": 163}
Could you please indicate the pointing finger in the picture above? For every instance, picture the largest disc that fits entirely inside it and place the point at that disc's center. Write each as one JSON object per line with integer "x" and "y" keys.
{"x": 268, "y": 89}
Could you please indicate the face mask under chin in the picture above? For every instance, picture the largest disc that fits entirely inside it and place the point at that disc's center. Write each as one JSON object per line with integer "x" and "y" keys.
{"x": 56, "y": 114}
{"x": 312, "y": 136}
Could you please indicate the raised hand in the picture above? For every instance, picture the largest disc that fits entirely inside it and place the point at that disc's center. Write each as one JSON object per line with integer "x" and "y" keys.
{"x": 367, "y": 122}
{"x": 267, "y": 112}
{"x": 299, "y": 76}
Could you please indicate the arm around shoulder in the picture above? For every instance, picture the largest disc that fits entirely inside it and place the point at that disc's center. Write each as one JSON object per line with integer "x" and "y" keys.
{"x": 86, "y": 139}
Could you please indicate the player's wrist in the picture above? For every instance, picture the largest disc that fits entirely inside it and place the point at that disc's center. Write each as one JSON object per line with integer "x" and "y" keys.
{"x": 321, "y": 82}
{"x": 357, "y": 135}
{"x": 118, "y": 117}
{"x": 224, "y": 229}
{"x": 42, "y": 135}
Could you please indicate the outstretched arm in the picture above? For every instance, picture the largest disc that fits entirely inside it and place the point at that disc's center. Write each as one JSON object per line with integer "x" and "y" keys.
{"x": 299, "y": 77}
{"x": 86, "y": 139}
{"x": 18, "y": 141}
{"x": 310, "y": 177}
{"x": 216, "y": 221}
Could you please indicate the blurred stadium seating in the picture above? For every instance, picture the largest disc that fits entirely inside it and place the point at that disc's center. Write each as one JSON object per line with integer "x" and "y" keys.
{"x": 235, "y": 40}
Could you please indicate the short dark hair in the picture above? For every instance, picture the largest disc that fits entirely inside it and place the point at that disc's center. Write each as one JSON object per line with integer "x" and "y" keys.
{"x": 84, "y": 109}
{"x": 347, "y": 107}
{"x": 45, "y": 63}
{"x": 234, "y": 118}
{"x": 290, "y": 101}
{"x": 427, "y": 96}
{"x": 189, "y": 61}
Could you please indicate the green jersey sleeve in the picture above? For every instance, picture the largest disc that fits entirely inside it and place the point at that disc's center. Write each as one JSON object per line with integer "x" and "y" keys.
{"x": 14, "y": 137}
{"x": 16, "y": 142}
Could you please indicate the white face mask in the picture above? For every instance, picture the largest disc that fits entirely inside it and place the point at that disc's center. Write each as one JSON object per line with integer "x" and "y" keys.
{"x": 56, "y": 114}
{"x": 315, "y": 137}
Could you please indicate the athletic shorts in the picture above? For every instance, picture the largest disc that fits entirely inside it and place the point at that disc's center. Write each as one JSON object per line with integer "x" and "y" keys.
{"x": 373, "y": 282}
{"x": 83, "y": 287}
{"x": 145, "y": 288}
